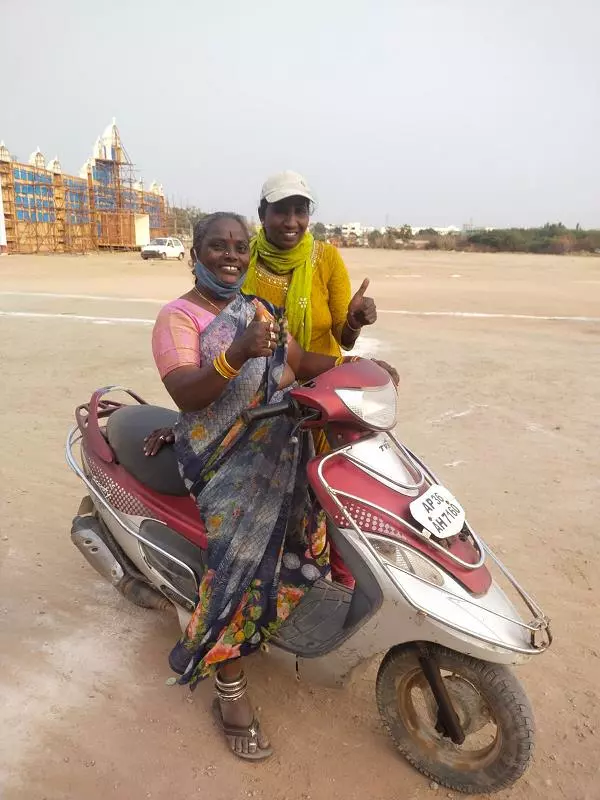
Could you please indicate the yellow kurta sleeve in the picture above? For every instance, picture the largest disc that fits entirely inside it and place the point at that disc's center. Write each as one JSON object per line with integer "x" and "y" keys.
{"x": 329, "y": 299}
{"x": 339, "y": 292}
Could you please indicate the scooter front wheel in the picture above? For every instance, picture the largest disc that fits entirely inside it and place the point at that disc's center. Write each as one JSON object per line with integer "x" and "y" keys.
{"x": 492, "y": 708}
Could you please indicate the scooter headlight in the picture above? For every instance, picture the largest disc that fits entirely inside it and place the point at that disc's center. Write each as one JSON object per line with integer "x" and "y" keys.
{"x": 407, "y": 560}
{"x": 377, "y": 407}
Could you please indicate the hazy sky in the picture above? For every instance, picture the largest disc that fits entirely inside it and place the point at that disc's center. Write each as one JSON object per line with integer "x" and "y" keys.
{"x": 430, "y": 112}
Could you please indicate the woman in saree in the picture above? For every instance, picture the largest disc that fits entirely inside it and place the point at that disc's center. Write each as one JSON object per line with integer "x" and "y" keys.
{"x": 218, "y": 352}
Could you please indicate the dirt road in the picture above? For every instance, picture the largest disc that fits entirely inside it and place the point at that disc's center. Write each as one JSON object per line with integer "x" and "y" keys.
{"x": 504, "y": 407}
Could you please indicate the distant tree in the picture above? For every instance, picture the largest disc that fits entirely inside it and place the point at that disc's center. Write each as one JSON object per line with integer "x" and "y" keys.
{"x": 186, "y": 218}
{"x": 195, "y": 215}
{"x": 319, "y": 231}
{"x": 181, "y": 222}
{"x": 337, "y": 230}
{"x": 375, "y": 239}
{"x": 391, "y": 238}
{"x": 553, "y": 238}
{"x": 405, "y": 233}
{"x": 552, "y": 229}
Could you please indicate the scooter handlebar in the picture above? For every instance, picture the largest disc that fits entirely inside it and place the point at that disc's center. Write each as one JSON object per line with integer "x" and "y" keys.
{"x": 265, "y": 412}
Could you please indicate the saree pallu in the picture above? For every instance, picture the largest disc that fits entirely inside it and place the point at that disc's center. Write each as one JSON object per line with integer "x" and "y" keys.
{"x": 266, "y": 544}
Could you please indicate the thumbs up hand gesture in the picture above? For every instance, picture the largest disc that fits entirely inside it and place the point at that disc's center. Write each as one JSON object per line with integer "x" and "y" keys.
{"x": 260, "y": 339}
{"x": 362, "y": 310}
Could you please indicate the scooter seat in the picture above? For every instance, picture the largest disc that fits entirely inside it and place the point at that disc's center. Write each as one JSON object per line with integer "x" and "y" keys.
{"x": 126, "y": 430}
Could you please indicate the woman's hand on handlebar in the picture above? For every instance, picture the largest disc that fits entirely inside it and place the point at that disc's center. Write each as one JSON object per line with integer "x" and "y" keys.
{"x": 157, "y": 439}
{"x": 391, "y": 371}
{"x": 258, "y": 340}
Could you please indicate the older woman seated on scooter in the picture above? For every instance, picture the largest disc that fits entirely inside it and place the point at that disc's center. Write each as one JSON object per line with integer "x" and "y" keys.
{"x": 219, "y": 352}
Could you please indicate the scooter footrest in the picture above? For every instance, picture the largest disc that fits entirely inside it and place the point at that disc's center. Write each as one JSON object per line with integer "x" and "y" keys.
{"x": 317, "y": 622}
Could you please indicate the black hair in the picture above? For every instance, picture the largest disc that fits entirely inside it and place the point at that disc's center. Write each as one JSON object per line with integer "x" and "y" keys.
{"x": 262, "y": 209}
{"x": 203, "y": 225}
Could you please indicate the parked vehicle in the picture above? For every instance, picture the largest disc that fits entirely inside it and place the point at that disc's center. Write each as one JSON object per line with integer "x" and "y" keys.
{"x": 163, "y": 248}
{"x": 425, "y": 595}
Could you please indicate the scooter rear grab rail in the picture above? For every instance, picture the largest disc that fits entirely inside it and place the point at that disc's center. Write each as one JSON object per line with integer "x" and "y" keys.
{"x": 88, "y": 414}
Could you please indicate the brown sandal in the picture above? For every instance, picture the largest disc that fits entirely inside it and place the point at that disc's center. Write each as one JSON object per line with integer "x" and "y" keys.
{"x": 255, "y": 751}
{"x": 229, "y": 692}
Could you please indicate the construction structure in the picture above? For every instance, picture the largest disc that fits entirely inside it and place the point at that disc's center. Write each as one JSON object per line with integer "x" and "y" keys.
{"x": 106, "y": 206}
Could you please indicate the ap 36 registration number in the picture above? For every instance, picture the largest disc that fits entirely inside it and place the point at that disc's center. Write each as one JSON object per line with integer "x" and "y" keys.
{"x": 439, "y": 512}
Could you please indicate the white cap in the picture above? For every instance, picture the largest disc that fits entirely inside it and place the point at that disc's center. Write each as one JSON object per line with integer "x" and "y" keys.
{"x": 285, "y": 184}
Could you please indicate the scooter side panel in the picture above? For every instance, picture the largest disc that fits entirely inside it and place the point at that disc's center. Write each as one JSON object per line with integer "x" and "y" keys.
{"x": 395, "y": 623}
{"x": 129, "y": 496}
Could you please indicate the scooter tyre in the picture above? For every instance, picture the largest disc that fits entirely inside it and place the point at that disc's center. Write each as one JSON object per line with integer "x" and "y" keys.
{"x": 503, "y": 695}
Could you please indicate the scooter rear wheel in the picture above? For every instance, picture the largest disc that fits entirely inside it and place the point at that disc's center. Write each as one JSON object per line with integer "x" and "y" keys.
{"x": 492, "y": 707}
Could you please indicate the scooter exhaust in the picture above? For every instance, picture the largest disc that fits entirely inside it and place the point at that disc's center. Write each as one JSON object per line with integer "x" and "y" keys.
{"x": 86, "y": 535}
{"x": 87, "y": 538}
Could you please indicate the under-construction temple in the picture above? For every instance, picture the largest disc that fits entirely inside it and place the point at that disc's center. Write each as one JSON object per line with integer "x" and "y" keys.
{"x": 106, "y": 206}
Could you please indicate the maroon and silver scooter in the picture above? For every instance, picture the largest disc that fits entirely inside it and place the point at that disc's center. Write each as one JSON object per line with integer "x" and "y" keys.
{"x": 427, "y": 600}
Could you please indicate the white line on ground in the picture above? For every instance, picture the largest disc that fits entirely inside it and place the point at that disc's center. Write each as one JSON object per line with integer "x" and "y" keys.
{"x": 56, "y": 295}
{"x": 485, "y": 315}
{"x": 79, "y": 317}
{"x": 398, "y": 311}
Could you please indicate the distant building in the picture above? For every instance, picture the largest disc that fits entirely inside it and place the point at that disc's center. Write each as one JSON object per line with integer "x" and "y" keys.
{"x": 54, "y": 166}
{"x": 352, "y": 228}
{"x": 36, "y": 159}
{"x": 44, "y": 210}
{"x": 2, "y": 225}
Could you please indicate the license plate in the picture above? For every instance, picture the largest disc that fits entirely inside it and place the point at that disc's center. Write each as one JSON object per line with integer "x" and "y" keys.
{"x": 439, "y": 512}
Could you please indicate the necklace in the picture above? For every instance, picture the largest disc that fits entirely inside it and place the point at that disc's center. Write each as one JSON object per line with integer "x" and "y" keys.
{"x": 206, "y": 300}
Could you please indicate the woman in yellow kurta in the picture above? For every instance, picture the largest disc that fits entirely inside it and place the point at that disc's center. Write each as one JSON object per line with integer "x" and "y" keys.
{"x": 289, "y": 268}
{"x": 309, "y": 278}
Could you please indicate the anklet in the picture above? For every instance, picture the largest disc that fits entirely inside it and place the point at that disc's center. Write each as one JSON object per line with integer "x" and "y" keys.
{"x": 229, "y": 692}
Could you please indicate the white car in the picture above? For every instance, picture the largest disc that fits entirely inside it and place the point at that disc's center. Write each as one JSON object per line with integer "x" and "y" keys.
{"x": 163, "y": 248}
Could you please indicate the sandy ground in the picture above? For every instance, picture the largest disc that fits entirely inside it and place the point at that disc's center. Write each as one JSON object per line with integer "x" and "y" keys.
{"x": 504, "y": 408}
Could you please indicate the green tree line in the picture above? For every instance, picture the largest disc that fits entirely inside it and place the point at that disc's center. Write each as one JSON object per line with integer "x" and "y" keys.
{"x": 551, "y": 238}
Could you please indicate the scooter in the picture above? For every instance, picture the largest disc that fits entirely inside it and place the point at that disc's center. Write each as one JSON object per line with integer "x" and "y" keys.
{"x": 425, "y": 597}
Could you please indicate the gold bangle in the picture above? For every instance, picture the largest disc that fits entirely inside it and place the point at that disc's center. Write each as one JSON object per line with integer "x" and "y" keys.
{"x": 219, "y": 370}
{"x": 339, "y": 361}
{"x": 224, "y": 368}
{"x": 227, "y": 365}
